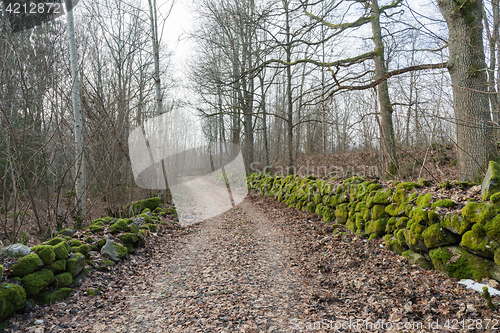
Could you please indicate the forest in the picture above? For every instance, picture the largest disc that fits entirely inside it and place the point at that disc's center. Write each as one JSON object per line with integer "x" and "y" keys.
{"x": 392, "y": 91}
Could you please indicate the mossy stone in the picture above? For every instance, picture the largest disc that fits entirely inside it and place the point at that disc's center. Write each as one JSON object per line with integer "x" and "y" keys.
{"x": 414, "y": 238}
{"x": 437, "y": 236}
{"x": 62, "y": 250}
{"x": 75, "y": 264}
{"x": 47, "y": 297}
{"x": 26, "y": 265}
{"x": 62, "y": 280}
{"x": 378, "y": 212}
{"x": 119, "y": 226}
{"x": 456, "y": 224}
{"x": 147, "y": 218}
{"x": 461, "y": 264}
{"x": 415, "y": 258}
{"x": 83, "y": 249}
{"x": 311, "y": 208}
{"x": 100, "y": 243}
{"x": 139, "y": 206}
{"x": 491, "y": 181}
{"x": 328, "y": 216}
{"x": 424, "y": 200}
{"x": 444, "y": 203}
{"x": 58, "y": 265}
{"x": 400, "y": 236}
{"x": 418, "y": 215}
{"x": 400, "y": 196}
{"x": 341, "y": 213}
{"x": 54, "y": 241}
{"x": 392, "y": 209}
{"x": 95, "y": 228}
{"x": 382, "y": 197}
{"x": 351, "y": 225}
{"x": 105, "y": 264}
{"x": 409, "y": 186}
{"x": 130, "y": 241}
{"x": 360, "y": 222}
{"x": 376, "y": 227}
{"x": 33, "y": 283}
{"x": 46, "y": 253}
{"x": 395, "y": 247}
{"x": 477, "y": 242}
{"x": 391, "y": 226}
{"x": 477, "y": 212}
{"x": 12, "y": 299}
{"x": 402, "y": 222}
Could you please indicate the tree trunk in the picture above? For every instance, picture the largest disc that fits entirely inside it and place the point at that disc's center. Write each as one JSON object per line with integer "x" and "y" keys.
{"x": 77, "y": 109}
{"x": 289, "y": 89}
{"x": 475, "y": 139}
{"x": 387, "y": 128}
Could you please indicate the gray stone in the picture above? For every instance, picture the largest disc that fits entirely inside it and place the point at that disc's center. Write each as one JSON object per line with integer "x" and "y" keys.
{"x": 75, "y": 264}
{"x": 67, "y": 232}
{"x": 109, "y": 251}
{"x": 16, "y": 250}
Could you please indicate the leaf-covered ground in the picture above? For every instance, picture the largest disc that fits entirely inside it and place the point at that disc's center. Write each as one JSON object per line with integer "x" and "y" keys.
{"x": 263, "y": 267}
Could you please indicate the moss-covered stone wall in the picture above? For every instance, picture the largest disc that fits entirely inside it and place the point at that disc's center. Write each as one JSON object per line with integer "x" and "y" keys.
{"x": 46, "y": 273}
{"x": 427, "y": 230}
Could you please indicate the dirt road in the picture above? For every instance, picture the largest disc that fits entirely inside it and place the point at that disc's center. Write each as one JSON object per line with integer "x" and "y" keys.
{"x": 262, "y": 267}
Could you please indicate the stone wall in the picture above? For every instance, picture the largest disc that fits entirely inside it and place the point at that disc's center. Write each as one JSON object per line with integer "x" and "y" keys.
{"x": 432, "y": 232}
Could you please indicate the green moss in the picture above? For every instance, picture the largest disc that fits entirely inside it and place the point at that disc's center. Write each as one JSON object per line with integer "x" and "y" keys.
{"x": 378, "y": 212}
{"x": 392, "y": 209}
{"x": 105, "y": 264}
{"x": 61, "y": 250}
{"x": 391, "y": 226}
{"x": 402, "y": 222}
{"x": 75, "y": 264}
{"x": 414, "y": 238}
{"x": 12, "y": 299}
{"x": 360, "y": 222}
{"x": 62, "y": 280}
{"x": 495, "y": 198}
{"x": 328, "y": 216}
{"x": 46, "y": 253}
{"x": 477, "y": 242}
{"x": 93, "y": 292}
{"x": 57, "y": 266}
{"x": 54, "y": 241}
{"x": 47, "y": 297}
{"x": 456, "y": 224}
{"x": 444, "y": 203}
{"x": 437, "y": 236}
{"x": 130, "y": 241}
{"x": 94, "y": 228}
{"x": 139, "y": 206}
{"x": 394, "y": 246}
{"x": 415, "y": 258}
{"x": 33, "y": 283}
{"x": 122, "y": 250}
{"x": 89, "y": 240}
{"x": 26, "y": 265}
{"x": 341, "y": 213}
{"x": 311, "y": 208}
{"x": 120, "y": 226}
{"x": 351, "y": 225}
{"x": 387, "y": 239}
{"x": 400, "y": 196}
{"x": 461, "y": 264}
{"x": 100, "y": 243}
{"x": 424, "y": 200}
{"x": 83, "y": 249}
{"x": 418, "y": 215}
{"x": 473, "y": 210}
{"x": 382, "y": 197}
{"x": 408, "y": 186}
{"x": 491, "y": 181}
{"x": 400, "y": 237}
{"x": 433, "y": 217}
{"x": 376, "y": 227}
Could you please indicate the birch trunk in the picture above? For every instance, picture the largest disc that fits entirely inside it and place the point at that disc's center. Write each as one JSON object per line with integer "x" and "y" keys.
{"x": 77, "y": 110}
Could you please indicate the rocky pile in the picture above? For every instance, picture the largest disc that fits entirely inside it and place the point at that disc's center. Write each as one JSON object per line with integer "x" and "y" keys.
{"x": 49, "y": 271}
{"x": 461, "y": 239}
